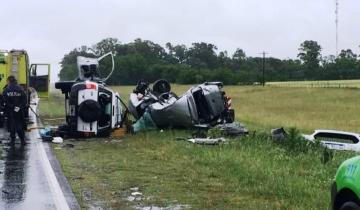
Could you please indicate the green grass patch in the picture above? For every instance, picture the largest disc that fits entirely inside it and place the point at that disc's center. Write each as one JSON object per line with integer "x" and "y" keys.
{"x": 52, "y": 107}
{"x": 247, "y": 173}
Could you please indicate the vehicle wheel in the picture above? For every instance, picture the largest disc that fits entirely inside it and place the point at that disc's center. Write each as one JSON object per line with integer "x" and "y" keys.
{"x": 89, "y": 111}
{"x": 350, "y": 206}
{"x": 161, "y": 86}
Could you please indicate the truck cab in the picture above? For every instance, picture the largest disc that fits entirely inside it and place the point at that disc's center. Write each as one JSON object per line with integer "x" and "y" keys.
{"x": 345, "y": 191}
{"x": 33, "y": 78}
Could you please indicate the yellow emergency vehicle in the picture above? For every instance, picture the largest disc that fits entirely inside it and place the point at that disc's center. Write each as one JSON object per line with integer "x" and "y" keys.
{"x": 16, "y": 63}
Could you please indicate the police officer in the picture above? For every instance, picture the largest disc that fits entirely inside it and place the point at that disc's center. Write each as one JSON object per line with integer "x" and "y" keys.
{"x": 15, "y": 104}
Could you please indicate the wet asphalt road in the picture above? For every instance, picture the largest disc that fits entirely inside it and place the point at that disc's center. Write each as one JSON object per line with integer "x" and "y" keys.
{"x": 30, "y": 175}
{"x": 22, "y": 179}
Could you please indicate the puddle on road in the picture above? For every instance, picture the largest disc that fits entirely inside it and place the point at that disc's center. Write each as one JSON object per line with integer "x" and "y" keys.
{"x": 22, "y": 182}
{"x": 13, "y": 173}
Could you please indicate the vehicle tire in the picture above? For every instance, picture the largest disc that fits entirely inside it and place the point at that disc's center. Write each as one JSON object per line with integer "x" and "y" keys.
{"x": 350, "y": 205}
{"x": 89, "y": 111}
{"x": 161, "y": 86}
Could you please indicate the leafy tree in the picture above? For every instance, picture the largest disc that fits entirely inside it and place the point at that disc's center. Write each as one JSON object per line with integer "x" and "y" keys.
{"x": 348, "y": 55}
{"x": 346, "y": 64}
{"x": 202, "y": 55}
{"x": 105, "y": 46}
{"x": 144, "y": 59}
{"x": 224, "y": 60}
{"x": 180, "y": 53}
{"x": 310, "y": 52}
{"x": 239, "y": 55}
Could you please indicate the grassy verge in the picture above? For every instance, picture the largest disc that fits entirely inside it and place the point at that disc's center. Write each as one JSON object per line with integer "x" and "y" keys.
{"x": 52, "y": 109}
{"x": 247, "y": 173}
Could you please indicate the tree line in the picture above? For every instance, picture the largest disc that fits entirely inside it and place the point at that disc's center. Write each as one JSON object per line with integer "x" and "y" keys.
{"x": 144, "y": 59}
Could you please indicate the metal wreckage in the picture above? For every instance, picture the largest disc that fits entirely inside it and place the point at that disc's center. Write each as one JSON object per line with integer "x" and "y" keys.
{"x": 94, "y": 109}
{"x": 202, "y": 106}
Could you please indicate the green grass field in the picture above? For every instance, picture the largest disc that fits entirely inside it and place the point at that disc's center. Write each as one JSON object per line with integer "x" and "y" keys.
{"x": 247, "y": 173}
{"x": 320, "y": 84}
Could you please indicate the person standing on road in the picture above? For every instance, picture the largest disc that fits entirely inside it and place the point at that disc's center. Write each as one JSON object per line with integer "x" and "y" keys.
{"x": 15, "y": 103}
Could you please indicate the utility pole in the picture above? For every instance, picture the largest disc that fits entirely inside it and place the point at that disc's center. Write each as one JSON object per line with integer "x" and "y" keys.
{"x": 263, "y": 67}
{"x": 337, "y": 26}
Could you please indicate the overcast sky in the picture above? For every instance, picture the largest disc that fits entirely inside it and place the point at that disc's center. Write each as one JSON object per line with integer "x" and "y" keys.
{"x": 49, "y": 29}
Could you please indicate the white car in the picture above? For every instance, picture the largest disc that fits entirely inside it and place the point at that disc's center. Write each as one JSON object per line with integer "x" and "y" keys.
{"x": 336, "y": 140}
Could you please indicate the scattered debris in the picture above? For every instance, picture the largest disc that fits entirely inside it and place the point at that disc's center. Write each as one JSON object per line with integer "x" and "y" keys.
{"x": 134, "y": 189}
{"x": 207, "y": 141}
{"x": 45, "y": 134}
{"x": 171, "y": 207}
{"x": 233, "y": 129}
{"x": 336, "y": 140}
{"x": 131, "y": 198}
{"x": 136, "y": 194}
{"x": 57, "y": 140}
{"x": 279, "y": 134}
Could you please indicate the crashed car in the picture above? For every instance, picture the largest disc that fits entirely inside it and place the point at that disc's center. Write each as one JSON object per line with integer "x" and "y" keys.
{"x": 202, "y": 105}
{"x": 91, "y": 107}
{"x": 336, "y": 140}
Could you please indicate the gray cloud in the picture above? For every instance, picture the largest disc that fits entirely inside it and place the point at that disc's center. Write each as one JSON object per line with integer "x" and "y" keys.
{"x": 49, "y": 29}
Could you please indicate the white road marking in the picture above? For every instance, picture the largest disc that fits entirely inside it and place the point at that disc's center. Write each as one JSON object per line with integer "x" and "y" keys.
{"x": 57, "y": 193}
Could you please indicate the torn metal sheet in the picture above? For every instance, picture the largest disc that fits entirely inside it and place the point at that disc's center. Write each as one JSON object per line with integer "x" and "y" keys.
{"x": 336, "y": 140}
{"x": 209, "y": 141}
{"x": 233, "y": 129}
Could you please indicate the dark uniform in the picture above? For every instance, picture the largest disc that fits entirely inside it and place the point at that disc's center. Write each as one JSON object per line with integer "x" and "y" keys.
{"x": 15, "y": 104}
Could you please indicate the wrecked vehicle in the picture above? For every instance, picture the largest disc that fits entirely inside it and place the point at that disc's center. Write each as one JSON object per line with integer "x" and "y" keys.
{"x": 92, "y": 108}
{"x": 202, "y": 105}
{"x": 336, "y": 140}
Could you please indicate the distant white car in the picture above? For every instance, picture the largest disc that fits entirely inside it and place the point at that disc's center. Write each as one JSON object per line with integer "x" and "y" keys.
{"x": 336, "y": 140}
